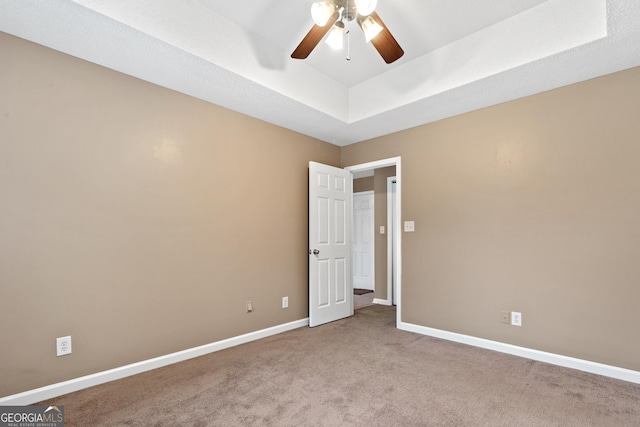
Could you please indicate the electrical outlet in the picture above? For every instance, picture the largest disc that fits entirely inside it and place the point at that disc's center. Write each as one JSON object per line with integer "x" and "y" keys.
{"x": 516, "y": 318}
{"x": 409, "y": 226}
{"x": 505, "y": 317}
{"x": 249, "y": 306}
{"x": 285, "y": 302}
{"x": 63, "y": 346}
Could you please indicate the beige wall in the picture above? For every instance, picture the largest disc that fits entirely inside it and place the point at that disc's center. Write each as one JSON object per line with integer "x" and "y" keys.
{"x": 129, "y": 214}
{"x": 131, "y": 218}
{"x": 531, "y": 206}
{"x": 363, "y": 184}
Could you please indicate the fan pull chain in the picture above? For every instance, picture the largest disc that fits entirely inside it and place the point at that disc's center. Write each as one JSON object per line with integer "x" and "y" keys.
{"x": 348, "y": 44}
{"x": 347, "y": 26}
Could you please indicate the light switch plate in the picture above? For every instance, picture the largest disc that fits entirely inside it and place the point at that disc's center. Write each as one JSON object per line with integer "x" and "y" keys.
{"x": 409, "y": 226}
{"x": 382, "y": 229}
{"x": 506, "y": 317}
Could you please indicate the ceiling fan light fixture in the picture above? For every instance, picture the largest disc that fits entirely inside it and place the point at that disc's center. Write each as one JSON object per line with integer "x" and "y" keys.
{"x": 321, "y": 12}
{"x": 335, "y": 39}
{"x": 370, "y": 28}
{"x": 366, "y": 7}
{"x": 340, "y": 13}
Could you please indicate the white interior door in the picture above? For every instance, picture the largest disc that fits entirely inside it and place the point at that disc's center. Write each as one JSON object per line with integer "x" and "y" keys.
{"x": 363, "y": 241}
{"x": 330, "y": 286}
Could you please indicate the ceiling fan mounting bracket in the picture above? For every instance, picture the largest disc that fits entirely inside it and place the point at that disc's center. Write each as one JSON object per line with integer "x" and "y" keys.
{"x": 349, "y": 11}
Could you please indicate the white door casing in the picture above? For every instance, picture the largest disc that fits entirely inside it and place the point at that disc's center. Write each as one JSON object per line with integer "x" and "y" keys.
{"x": 363, "y": 241}
{"x": 393, "y": 224}
{"x": 330, "y": 216}
{"x": 396, "y": 270}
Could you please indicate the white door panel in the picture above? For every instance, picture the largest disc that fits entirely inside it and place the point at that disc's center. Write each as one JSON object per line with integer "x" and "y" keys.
{"x": 363, "y": 241}
{"x": 330, "y": 288}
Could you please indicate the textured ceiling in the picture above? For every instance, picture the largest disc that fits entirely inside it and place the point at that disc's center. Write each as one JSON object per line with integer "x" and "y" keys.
{"x": 460, "y": 55}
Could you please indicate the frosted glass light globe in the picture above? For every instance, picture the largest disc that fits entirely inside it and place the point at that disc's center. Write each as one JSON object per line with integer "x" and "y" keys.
{"x": 366, "y": 7}
{"x": 320, "y": 12}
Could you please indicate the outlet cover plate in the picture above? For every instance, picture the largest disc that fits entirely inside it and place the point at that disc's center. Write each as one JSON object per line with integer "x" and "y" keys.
{"x": 63, "y": 346}
{"x": 285, "y": 302}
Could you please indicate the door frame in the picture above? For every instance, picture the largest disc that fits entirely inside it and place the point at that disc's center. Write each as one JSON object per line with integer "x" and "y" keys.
{"x": 394, "y": 229}
{"x": 397, "y": 235}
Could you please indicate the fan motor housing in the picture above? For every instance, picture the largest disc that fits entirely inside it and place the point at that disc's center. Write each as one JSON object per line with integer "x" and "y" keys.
{"x": 348, "y": 7}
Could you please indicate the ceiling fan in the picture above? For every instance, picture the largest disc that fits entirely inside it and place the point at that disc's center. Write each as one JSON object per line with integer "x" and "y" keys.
{"x": 328, "y": 14}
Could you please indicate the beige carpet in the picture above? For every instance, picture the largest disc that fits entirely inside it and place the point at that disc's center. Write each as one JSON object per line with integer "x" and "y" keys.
{"x": 361, "y": 301}
{"x": 359, "y": 371}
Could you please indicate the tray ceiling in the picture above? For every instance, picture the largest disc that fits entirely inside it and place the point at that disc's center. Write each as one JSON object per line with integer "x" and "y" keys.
{"x": 460, "y": 55}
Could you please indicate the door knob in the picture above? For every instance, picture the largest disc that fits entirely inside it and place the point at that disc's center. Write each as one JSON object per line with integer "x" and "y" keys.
{"x": 316, "y": 252}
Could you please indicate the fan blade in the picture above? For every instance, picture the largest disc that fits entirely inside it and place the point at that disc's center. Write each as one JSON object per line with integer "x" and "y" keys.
{"x": 313, "y": 37}
{"x": 385, "y": 43}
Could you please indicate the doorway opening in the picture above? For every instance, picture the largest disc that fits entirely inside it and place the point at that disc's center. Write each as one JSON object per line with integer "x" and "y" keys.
{"x": 387, "y": 176}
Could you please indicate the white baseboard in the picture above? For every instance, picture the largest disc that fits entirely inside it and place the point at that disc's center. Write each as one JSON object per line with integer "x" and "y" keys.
{"x": 58, "y": 389}
{"x": 541, "y": 356}
{"x": 381, "y": 301}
